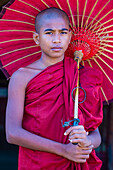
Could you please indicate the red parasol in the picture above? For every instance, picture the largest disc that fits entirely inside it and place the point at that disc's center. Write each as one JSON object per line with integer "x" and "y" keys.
{"x": 92, "y": 26}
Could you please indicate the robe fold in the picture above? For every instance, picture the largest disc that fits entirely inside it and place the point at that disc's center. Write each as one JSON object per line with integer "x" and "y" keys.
{"x": 48, "y": 100}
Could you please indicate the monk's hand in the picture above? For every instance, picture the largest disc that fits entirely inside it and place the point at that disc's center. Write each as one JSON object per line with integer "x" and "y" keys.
{"x": 76, "y": 153}
{"x": 77, "y": 134}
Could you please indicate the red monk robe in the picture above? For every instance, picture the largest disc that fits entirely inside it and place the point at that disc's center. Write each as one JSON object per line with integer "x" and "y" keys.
{"x": 48, "y": 100}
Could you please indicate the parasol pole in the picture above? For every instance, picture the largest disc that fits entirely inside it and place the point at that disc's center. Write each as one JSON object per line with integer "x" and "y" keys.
{"x": 77, "y": 57}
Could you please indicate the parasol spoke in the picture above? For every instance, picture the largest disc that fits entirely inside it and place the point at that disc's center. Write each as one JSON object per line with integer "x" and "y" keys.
{"x": 20, "y": 59}
{"x": 105, "y": 55}
{"x": 14, "y": 10}
{"x": 29, "y": 5}
{"x": 107, "y": 32}
{"x": 89, "y": 62}
{"x": 105, "y": 28}
{"x": 83, "y": 13}
{"x": 104, "y": 49}
{"x": 111, "y": 41}
{"x": 103, "y": 37}
{"x": 109, "y": 36}
{"x": 23, "y": 39}
{"x": 104, "y": 95}
{"x": 7, "y": 20}
{"x": 90, "y": 13}
{"x": 107, "y": 45}
{"x": 16, "y": 31}
{"x": 58, "y": 4}
{"x": 101, "y": 19}
{"x": 20, "y": 49}
{"x": 98, "y": 13}
{"x": 104, "y": 62}
{"x": 97, "y": 32}
{"x": 103, "y": 71}
{"x": 103, "y": 24}
{"x": 45, "y": 3}
{"x": 78, "y": 13}
{"x": 71, "y": 13}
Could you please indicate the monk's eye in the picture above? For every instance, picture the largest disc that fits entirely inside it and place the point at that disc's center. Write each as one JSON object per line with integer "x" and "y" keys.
{"x": 64, "y": 32}
{"x": 49, "y": 33}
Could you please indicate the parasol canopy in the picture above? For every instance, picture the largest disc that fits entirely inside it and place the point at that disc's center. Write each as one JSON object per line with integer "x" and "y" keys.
{"x": 91, "y": 23}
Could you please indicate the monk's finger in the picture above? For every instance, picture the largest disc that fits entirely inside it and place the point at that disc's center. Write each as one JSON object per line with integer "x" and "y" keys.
{"x": 86, "y": 147}
{"x": 78, "y": 135}
{"x": 67, "y": 132}
{"x": 77, "y": 132}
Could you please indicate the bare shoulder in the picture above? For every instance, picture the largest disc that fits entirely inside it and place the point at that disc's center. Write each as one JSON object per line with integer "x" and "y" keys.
{"x": 19, "y": 79}
{"x": 22, "y": 76}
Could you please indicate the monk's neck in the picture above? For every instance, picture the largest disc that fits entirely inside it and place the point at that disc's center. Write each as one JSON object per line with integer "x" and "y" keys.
{"x": 48, "y": 61}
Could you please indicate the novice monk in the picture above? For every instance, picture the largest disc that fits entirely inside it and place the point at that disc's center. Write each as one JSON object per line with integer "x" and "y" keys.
{"x": 39, "y": 97}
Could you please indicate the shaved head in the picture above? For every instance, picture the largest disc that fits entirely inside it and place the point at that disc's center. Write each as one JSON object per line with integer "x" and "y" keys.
{"x": 49, "y": 13}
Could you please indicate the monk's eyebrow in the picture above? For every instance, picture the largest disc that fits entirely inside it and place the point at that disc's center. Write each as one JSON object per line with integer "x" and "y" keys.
{"x": 48, "y": 30}
{"x": 63, "y": 29}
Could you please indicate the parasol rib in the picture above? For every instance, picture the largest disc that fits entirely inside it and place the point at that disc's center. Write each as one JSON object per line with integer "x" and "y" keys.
{"x": 20, "y": 59}
{"x": 23, "y": 39}
{"x": 45, "y": 4}
{"x": 105, "y": 32}
{"x": 109, "y": 36}
{"x": 83, "y": 13}
{"x": 99, "y": 13}
{"x": 78, "y": 13}
{"x": 103, "y": 24}
{"x": 106, "y": 55}
{"x": 17, "y": 21}
{"x": 16, "y": 31}
{"x": 104, "y": 49}
{"x": 103, "y": 71}
{"x": 104, "y": 62}
{"x": 58, "y": 4}
{"x": 90, "y": 13}
{"x": 107, "y": 41}
{"x": 19, "y": 12}
{"x": 20, "y": 49}
{"x": 104, "y": 95}
{"x": 101, "y": 19}
{"x": 89, "y": 63}
{"x": 71, "y": 13}
{"x": 29, "y": 5}
{"x": 107, "y": 45}
{"x": 105, "y": 28}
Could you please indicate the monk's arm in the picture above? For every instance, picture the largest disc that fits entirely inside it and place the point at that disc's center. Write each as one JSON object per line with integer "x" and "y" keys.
{"x": 95, "y": 138}
{"x": 15, "y": 134}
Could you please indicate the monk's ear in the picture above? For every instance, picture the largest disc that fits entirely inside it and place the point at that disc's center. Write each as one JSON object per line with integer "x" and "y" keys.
{"x": 70, "y": 35}
{"x": 36, "y": 38}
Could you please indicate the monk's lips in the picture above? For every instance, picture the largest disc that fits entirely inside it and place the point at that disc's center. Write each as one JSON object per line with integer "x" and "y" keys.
{"x": 56, "y": 48}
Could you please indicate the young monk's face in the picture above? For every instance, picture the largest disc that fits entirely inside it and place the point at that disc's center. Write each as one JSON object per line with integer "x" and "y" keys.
{"x": 54, "y": 37}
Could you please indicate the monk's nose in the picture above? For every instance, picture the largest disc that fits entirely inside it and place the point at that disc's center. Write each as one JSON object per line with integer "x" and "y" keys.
{"x": 56, "y": 38}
